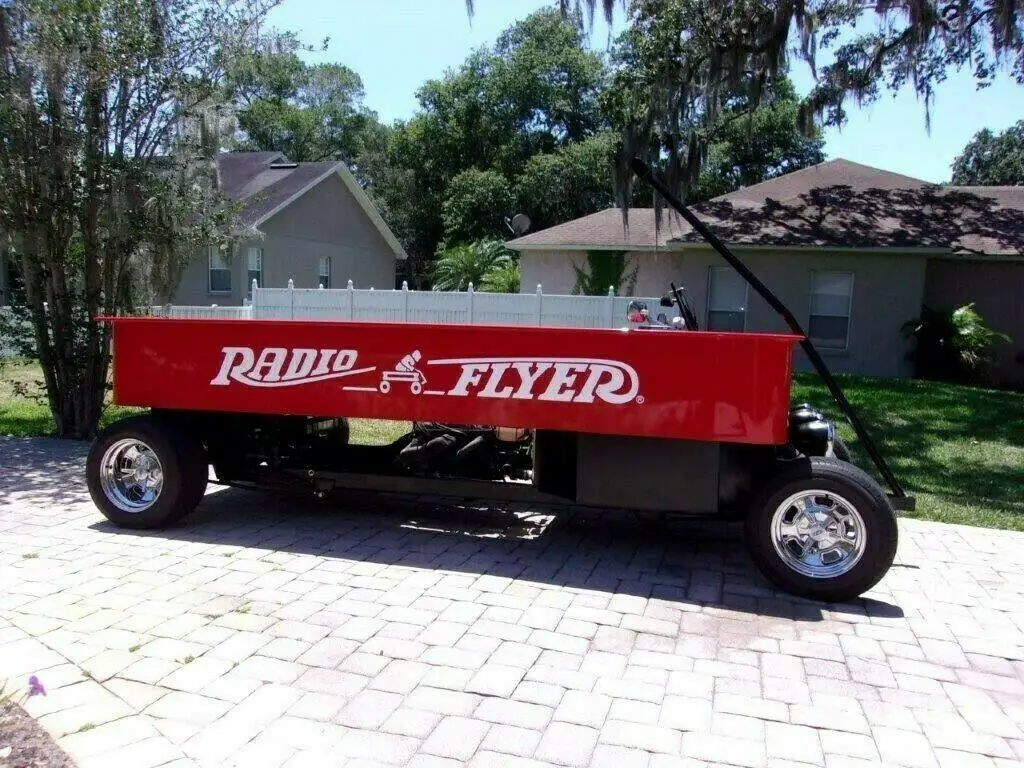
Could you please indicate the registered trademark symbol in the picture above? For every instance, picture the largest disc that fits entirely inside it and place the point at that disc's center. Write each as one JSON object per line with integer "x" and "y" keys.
{"x": 639, "y": 399}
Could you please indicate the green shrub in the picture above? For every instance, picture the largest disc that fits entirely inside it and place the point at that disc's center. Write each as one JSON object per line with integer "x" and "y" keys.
{"x": 503, "y": 278}
{"x": 604, "y": 270}
{"x": 952, "y": 345}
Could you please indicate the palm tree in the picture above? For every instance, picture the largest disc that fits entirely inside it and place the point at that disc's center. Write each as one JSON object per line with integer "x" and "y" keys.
{"x": 460, "y": 265}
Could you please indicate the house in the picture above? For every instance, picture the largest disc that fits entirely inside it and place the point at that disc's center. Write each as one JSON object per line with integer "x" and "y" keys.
{"x": 853, "y": 251}
{"x": 319, "y": 228}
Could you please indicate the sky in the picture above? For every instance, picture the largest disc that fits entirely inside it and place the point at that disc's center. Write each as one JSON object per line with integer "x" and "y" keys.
{"x": 396, "y": 45}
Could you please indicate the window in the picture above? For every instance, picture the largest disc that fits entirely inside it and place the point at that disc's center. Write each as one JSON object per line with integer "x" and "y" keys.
{"x": 727, "y": 300}
{"x": 254, "y": 270}
{"x": 831, "y": 299}
{"x": 220, "y": 271}
{"x": 324, "y": 277}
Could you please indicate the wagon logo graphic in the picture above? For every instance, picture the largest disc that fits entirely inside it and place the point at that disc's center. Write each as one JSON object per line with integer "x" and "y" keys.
{"x": 553, "y": 379}
{"x": 405, "y": 371}
{"x": 283, "y": 367}
{"x": 549, "y": 379}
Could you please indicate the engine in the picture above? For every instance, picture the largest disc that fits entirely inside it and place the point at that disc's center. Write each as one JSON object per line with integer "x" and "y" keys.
{"x": 469, "y": 451}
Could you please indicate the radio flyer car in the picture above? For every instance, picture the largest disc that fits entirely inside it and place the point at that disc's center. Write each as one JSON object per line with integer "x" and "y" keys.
{"x": 681, "y": 420}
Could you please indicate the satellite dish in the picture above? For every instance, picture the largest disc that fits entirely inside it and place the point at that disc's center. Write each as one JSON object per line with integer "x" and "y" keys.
{"x": 519, "y": 224}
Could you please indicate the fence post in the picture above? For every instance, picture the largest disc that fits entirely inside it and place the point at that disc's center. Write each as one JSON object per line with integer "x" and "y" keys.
{"x": 291, "y": 299}
{"x": 540, "y": 305}
{"x": 470, "y": 292}
{"x": 611, "y": 306}
{"x": 351, "y": 300}
{"x": 405, "y": 301}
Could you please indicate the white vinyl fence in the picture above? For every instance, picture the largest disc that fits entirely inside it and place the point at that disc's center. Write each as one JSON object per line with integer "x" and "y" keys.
{"x": 405, "y": 306}
{"x": 202, "y": 313}
{"x": 442, "y": 307}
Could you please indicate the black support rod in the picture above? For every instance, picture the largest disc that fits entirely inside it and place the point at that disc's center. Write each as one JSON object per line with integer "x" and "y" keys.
{"x": 641, "y": 169}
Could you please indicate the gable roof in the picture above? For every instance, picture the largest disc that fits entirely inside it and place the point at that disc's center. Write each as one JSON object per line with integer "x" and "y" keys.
{"x": 831, "y": 173}
{"x": 833, "y": 204}
{"x": 241, "y": 173}
{"x": 265, "y": 183}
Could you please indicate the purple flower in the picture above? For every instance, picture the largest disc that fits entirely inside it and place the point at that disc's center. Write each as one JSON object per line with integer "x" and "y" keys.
{"x": 35, "y": 688}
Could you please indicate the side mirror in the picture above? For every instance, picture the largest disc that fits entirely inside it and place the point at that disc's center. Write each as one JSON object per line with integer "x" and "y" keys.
{"x": 667, "y": 300}
{"x": 636, "y": 312}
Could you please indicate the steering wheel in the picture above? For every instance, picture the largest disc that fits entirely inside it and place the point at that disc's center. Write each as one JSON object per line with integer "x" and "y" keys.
{"x": 676, "y": 299}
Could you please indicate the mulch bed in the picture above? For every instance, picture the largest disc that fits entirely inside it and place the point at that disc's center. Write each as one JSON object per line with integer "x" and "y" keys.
{"x": 29, "y": 744}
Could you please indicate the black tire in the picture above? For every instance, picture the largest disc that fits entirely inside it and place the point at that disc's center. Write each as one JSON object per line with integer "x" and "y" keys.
{"x": 200, "y": 474}
{"x": 184, "y": 467}
{"x": 856, "y": 487}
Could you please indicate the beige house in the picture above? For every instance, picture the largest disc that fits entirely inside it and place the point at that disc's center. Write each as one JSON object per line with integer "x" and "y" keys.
{"x": 319, "y": 228}
{"x": 852, "y": 250}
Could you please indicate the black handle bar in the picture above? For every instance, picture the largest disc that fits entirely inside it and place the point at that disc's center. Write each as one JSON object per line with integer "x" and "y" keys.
{"x": 899, "y": 497}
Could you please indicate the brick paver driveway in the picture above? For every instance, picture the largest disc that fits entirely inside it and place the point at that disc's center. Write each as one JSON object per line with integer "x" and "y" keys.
{"x": 270, "y": 632}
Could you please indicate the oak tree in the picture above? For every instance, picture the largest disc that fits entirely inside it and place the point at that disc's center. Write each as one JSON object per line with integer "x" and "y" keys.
{"x": 992, "y": 159}
{"x": 109, "y": 119}
{"x": 688, "y": 52}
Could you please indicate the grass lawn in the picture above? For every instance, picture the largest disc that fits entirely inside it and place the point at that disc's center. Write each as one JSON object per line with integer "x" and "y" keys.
{"x": 959, "y": 450}
{"x": 376, "y": 431}
{"x": 25, "y": 414}
{"x": 23, "y": 409}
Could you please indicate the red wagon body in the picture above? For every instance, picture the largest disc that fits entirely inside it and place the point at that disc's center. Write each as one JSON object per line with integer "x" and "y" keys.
{"x": 716, "y": 387}
{"x": 644, "y": 418}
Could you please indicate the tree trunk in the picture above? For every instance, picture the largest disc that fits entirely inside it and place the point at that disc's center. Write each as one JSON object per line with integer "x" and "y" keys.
{"x": 74, "y": 374}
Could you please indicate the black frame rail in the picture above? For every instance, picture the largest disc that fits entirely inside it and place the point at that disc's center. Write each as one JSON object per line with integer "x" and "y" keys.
{"x": 898, "y": 497}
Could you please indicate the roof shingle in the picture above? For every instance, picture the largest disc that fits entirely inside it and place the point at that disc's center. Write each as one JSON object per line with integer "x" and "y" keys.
{"x": 833, "y": 204}
{"x": 252, "y": 179}
{"x": 236, "y": 170}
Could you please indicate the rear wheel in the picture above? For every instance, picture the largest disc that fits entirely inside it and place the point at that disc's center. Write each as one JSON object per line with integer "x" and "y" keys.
{"x": 822, "y": 528}
{"x": 144, "y": 472}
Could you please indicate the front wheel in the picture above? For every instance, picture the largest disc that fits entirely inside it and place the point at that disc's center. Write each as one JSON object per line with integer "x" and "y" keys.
{"x": 144, "y": 472}
{"x": 823, "y": 529}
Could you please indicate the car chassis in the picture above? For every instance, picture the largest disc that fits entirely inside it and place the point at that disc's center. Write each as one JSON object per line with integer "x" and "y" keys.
{"x": 691, "y": 422}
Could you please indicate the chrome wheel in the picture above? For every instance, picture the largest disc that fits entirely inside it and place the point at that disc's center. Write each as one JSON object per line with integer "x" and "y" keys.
{"x": 131, "y": 475}
{"x": 818, "y": 534}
